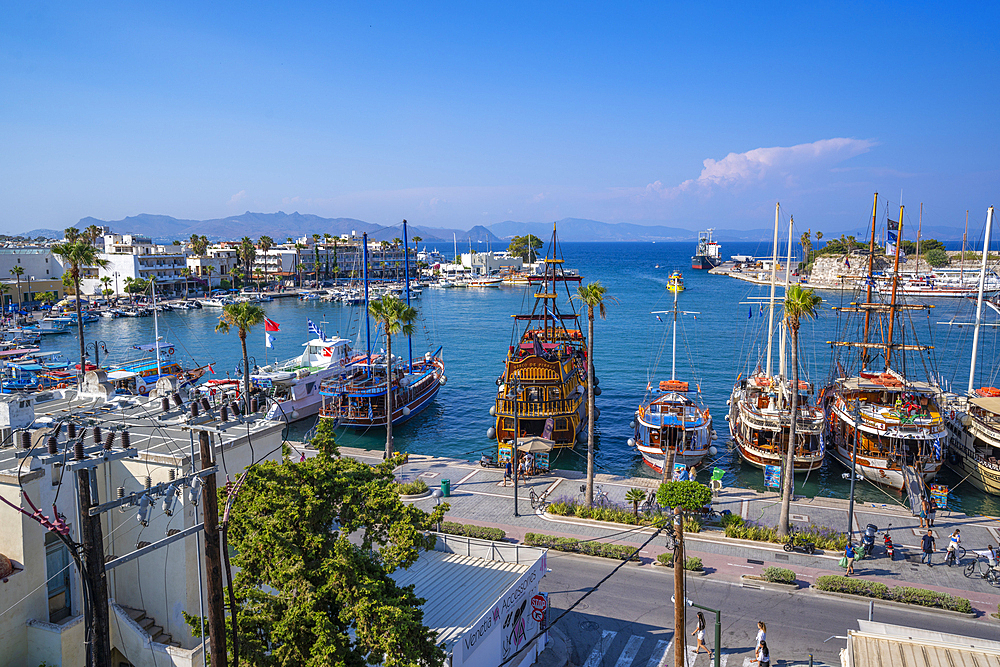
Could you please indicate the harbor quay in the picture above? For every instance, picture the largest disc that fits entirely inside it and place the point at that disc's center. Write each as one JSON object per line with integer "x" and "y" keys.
{"x": 478, "y": 496}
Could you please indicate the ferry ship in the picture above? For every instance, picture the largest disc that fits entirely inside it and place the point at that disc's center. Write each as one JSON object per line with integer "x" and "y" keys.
{"x": 708, "y": 254}
{"x": 294, "y": 384}
{"x": 760, "y": 414}
{"x": 883, "y": 424}
{"x": 549, "y": 362}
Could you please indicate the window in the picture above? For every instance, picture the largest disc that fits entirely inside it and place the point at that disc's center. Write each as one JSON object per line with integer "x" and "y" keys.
{"x": 57, "y": 569}
{"x": 561, "y": 424}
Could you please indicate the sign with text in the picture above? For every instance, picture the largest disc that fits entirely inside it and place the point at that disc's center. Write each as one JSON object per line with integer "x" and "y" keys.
{"x": 772, "y": 477}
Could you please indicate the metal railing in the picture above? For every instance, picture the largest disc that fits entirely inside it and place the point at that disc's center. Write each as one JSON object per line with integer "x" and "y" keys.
{"x": 563, "y": 406}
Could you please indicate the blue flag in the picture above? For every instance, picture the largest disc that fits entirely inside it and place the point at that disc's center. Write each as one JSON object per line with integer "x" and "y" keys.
{"x": 750, "y": 316}
{"x": 314, "y": 330}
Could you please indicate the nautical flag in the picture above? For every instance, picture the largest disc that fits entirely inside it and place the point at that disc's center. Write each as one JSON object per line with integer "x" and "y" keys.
{"x": 314, "y": 330}
{"x": 750, "y": 316}
{"x": 847, "y": 262}
{"x": 211, "y": 370}
{"x": 658, "y": 319}
{"x": 268, "y": 340}
{"x": 893, "y": 225}
{"x": 270, "y": 325}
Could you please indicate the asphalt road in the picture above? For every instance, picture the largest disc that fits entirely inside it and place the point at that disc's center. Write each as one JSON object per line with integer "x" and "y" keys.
{"x": 628, "y": 621}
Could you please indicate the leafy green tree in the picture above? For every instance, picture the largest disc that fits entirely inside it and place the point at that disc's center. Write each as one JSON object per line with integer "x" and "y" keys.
{"x": 592, "y": 295}
{"x": 396, "y": 318}
{"x": 80, "y": 255}
{"x": 46, "y": 297}
{"x": 17, "y": 272}
{"x": 309, "y": 596}
{"x": 690, "y": 495}
{"x": 325, "y": 438}
{"x": 199, "y": 245}
{"x": 937, "y": 257}
{"x": 799, "y": 304}
{"x": 635, "y": 496}
{"x": 244, "y": 316}
{"x": 525, "y": 247}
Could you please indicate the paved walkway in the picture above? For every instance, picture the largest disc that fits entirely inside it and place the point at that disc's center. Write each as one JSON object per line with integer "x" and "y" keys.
{"x": 478, "y": 496}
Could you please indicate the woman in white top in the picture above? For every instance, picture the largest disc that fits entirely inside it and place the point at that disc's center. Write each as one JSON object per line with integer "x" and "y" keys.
{"x": 761, "y": 633}
{"x": 700, "y": 631}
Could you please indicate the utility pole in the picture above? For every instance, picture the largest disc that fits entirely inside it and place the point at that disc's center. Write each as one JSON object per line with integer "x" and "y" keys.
{"x": 679, "y": 624}
{"x": 213, "y": 558}
{"x": 93, "y": 555}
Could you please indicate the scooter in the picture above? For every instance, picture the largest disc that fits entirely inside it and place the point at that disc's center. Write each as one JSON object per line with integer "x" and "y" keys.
{"x": 890, "y": 551}
{"x": 802, "y": 546}
{"x": 487, "y": 461}
{"x": 868, "y": 538}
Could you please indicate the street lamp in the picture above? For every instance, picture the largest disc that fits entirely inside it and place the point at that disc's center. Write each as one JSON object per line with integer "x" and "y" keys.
{"x": 854, "y": 468}
{"x": 97, "y": 346}
{"x": 513, "y": 392}
{"x": 116, "y": 287}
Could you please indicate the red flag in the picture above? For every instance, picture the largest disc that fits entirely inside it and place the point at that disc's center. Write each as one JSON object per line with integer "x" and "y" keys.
{"x": 211, "y": 369}
{"x": 270, "y": 325}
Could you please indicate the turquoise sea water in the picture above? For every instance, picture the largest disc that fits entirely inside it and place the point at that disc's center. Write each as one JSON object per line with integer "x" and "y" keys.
{"x": 632, "y": 348}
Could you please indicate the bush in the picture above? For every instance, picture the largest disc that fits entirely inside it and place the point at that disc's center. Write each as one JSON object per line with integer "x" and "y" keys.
{"x": 693, "y": 564}
{"x": 937, "y": 257}
{"x": 778, "y": 575}
{"x": 839, "y": 584}
{"x": 614, "y": 513}
{"x": 823, "y": 538}
{"x": 870, "y": 589}
{"x": 731, "y": 520}
{"x": 692, "y": 524}
{"x": 573, "y": 545}
{"x": 414, "y": 488}
{"x": 468, "y": 530}
{"x": 667, "y": 558}
{"x": 692, "y": 496}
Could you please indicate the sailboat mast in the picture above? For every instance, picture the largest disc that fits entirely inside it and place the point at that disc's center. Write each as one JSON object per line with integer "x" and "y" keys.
{"x": 895, "y": 283}
{"x": 770, "y": 307}
{"x": 868, "y": 283}
{"x": 961, "y": 269}
{"x": 979, "y": 300}
{"x": 406, "y": 276}
{"x": 673, "y": 354}
{"x": 156, "y": 328}
{"x": 920, "y": 227}
{"x": 368, "y": 326}
{"x": 784, "y": 329}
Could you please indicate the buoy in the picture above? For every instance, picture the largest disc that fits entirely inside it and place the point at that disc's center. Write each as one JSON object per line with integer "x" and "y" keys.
{"x": 715, "y": 436}
{"x": 727, "y": 417}
{"x": 597, "y": 413}
{"x": 713, "y": 450}
{"x": 597, "y": 380}
{"x": 597, "y": 391}
{"x": 443, "y": 379}
{"x": 491, "y": 433}
{"x": 631, "y": 424}
{"x": 729, "y": 401}
{"x": 493, "y": 411}
{"x": 406, "y": 411}
{"x": 631, "y": 442}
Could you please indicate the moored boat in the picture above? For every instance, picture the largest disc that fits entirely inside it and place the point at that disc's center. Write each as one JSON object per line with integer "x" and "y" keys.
{"x": 708, "y": 254}
{"x": 293, "y": 385}
{"x": 676, "y": 282}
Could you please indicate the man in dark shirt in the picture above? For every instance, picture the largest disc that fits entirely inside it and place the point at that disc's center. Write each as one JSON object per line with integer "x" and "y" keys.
{"x": 928, "y": 547}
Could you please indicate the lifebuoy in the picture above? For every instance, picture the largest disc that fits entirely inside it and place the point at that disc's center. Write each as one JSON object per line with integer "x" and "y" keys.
{"x": 170, "y": 351}
{"x": 143, "y": 389}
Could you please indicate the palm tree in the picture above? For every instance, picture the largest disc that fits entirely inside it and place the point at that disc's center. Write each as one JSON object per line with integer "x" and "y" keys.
{"x": 79, "y": 254}
{"x": 799, "y": 303}
{"x": 17, "y": 272}
{"x": 235, "y": 273}
{"x": 635, "y": 496}
{"x": 106, "y": 281}
{"x": 592, "y": 295}
{"x": 4, "y": 290}
{"x": 301, "y": 268}
{"x": 395, "y": 317}
{"x": 265, "y": 243}
{"x": 207, "y": 271}
{"x": 91, "y": 233}
{"x": 71, "y": 234}
{"x": 186, "y": 272}
{"x": 247, "y": 253}
{"x": 244, "y": 316}
{"x": 129, "y": 284}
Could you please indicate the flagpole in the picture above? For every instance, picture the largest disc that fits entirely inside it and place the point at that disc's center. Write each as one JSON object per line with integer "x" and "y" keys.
{"x": 406, "y": 275}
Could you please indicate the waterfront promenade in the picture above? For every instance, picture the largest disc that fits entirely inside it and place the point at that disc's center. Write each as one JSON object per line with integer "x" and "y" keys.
{"x": 479, "y": 497}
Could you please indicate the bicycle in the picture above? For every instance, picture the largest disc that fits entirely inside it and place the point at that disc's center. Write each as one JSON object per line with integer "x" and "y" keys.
{"x": 982, "y": 568}
{"x": 538, "y": 501}
{"x": 651, "y": 505}
{"x": 601, "y": 497}
{"x": 955, "y": 556}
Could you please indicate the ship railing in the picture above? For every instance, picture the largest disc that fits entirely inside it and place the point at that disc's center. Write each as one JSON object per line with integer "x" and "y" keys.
{"x": 539, "y": 408}
{"x": 806, "y": 419}
{"x": 534, "y": 374}
{"x": 988, "y": 429}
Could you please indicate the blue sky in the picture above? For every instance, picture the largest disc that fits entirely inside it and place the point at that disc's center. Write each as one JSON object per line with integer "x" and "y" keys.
{"x": 463, "y": 114}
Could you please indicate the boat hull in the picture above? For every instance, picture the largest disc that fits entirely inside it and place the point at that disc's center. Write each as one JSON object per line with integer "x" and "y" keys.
{"x": 704, "y": 262}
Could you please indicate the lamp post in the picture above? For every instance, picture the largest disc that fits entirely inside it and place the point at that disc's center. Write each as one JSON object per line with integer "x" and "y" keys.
{"x": 97, "y": 346}
{"x": 679, "y": 625}
{"x": 854, "y": 469}
{"x": 718, "y": 629}
{"x": 116, "y": 287}
{"x": 514, "y": 384}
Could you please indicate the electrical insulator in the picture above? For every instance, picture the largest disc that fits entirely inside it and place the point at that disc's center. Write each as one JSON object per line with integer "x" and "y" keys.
{"x": 254, "y": 404}
{"x": 110, "y": 440}
{"x": 144, "y": 507}
{"x": 164, "y": 404}
{"x": 169, "y": 499}
{"x": 172, "y": 474}
{"x": 78, "y": 452}
{"x": 177, "y": 399}
{"x": 70, "y": 430}
{"x": 194, "y": 409}
{"x": 148, "y": 483}
{"x": 236, "y": 408}
{"x": 53, "y": 445}
{"x": 195, "y": 490}
{"x": 205, "y": 404}
{"x": 121, "y": 493}
{"x": 126, "y": 440}
{"x": 25, "y": 440}
{"x": 97, "y": 435}
{"x": 224, "y": 414}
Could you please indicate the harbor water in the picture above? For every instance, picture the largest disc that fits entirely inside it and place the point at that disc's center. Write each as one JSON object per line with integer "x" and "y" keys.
{"x": 719, "y": 337}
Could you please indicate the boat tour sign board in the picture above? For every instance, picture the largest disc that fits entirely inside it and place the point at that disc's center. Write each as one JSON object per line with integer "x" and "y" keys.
{"x": 772, "y": 477}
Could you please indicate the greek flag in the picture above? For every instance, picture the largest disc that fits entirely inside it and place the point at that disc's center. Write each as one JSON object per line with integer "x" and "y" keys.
{"x": 314, "y": 330}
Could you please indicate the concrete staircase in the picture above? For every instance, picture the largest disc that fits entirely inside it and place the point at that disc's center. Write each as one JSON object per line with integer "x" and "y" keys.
{"x": 149, "y": 626}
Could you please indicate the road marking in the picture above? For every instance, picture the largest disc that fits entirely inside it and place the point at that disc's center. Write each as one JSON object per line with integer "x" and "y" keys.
{"x": 723, "y": 659}
{"x": 553, "y": 485}
{"x": 747, "y": 661}
{"x": 661, "y": 654}
{"x": 602, "y": 646}
{"x": 628, "y": 653}
{"x": 749, "y": 567}
{"x": 744, "y": 508}
{"x": 466, "y": 478}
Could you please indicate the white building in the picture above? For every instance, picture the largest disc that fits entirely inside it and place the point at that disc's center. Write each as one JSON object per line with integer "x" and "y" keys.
{"x": 137, "y": 257}
{"x": 208, "y": 270}
{"x": 488, "y": 263}
{"x": 42, "y": 599}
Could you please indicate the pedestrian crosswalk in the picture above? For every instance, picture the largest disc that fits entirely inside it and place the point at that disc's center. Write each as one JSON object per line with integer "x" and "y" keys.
{"x": 608, "y": 652}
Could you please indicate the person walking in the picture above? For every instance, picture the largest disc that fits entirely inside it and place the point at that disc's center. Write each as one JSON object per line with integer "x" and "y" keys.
{"x": 762, "y": 655}
{"x": 924, "y": 507}
{"x": 700, "y": 631}
{"x": 953, "y": 542}
{"x": 927, "y": 545}
{"x": 761, "y": 633}
{"x": 849, "y": 554}
{"x": 506, "y": 473}
{"x": 931, "y": 512}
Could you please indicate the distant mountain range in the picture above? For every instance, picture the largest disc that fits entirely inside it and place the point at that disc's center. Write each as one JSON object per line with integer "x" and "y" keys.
{"x": 281, "y": 225}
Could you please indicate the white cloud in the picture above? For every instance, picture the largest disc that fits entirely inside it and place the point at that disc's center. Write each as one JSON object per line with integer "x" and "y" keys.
{"x": 238, "y": 197}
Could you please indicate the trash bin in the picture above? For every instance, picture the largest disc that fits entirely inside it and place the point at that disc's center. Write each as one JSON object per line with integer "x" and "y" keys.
{"x": 446, "y": 488}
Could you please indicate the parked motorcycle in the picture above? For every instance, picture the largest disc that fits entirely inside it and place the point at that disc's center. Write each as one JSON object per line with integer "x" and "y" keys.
{"x": 868, "y": 538}
{"x": 487, "y": 461}
{"x": 890, "y": 551}
{"x": 802, "y": 546}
